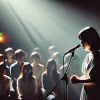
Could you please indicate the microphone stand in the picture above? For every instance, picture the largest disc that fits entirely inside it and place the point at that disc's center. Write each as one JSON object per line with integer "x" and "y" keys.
{"x": 65, "y": 78}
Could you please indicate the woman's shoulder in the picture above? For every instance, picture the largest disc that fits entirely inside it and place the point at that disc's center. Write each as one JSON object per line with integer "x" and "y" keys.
{"x": 19, "y": 79}
{"x": 7, "y": 78}
{"x": 88, "y": 54}
{"x": 87, "y": 57}
{"x": 33, "y": 77}
{"x": 42, "y": 66}
{"x": 44, "y": 74}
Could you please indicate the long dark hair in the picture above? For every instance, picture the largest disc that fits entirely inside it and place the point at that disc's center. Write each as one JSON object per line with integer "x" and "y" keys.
{"x": 49, "y": 63}
{"x": 23, "y": 74}
{"x": 90, "y": 35}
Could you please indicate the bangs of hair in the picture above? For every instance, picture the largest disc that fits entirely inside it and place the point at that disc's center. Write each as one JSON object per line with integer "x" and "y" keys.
{"x": 22, "y": 71}
{"x": 90, "y": 35}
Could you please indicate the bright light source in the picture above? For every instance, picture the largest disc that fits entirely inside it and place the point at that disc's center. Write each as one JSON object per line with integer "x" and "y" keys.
{"x": 2, "y": 38}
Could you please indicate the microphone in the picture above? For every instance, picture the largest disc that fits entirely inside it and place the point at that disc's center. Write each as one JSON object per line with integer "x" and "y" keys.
{"x": 73, "y": 49}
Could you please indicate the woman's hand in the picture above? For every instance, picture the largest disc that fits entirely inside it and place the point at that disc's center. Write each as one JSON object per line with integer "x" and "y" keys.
{"x": 74, "y": 79}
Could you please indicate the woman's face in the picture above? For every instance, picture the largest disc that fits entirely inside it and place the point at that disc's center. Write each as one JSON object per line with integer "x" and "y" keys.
{"x": 27, "y": 71}
{"x": 20, "y": 57}
{"x": 9, "y": 54}
{"x": 36, "y": 61}
{"x": 85, "y": 45}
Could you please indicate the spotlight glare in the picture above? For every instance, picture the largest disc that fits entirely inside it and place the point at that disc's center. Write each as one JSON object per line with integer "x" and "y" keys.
{"x": 2, "y": 38}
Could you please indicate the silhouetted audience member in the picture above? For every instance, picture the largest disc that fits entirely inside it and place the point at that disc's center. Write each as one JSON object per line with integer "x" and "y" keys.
{"x": 37, "y": 49}
{"x": 2, "y": 59}
{"x": 16, "y": 67}
{"x": 38, "y": 68}
{"x": 51, "y": 50}
{"x": 49, "y": 78}
{"x": 42, "y": 58}
{"x": 10, "y": 59}
{"x": 90, "y": 41}
{"x": 27, "y": 83}
{"x": 57, "y": 57}
{"x": 5, "y": 82}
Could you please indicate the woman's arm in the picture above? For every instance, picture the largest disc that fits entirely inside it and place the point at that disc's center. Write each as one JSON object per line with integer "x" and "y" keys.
{"x": 75, "y": 79}
{"x": 19, "y": 87}
{"x": 35, "y": 85}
